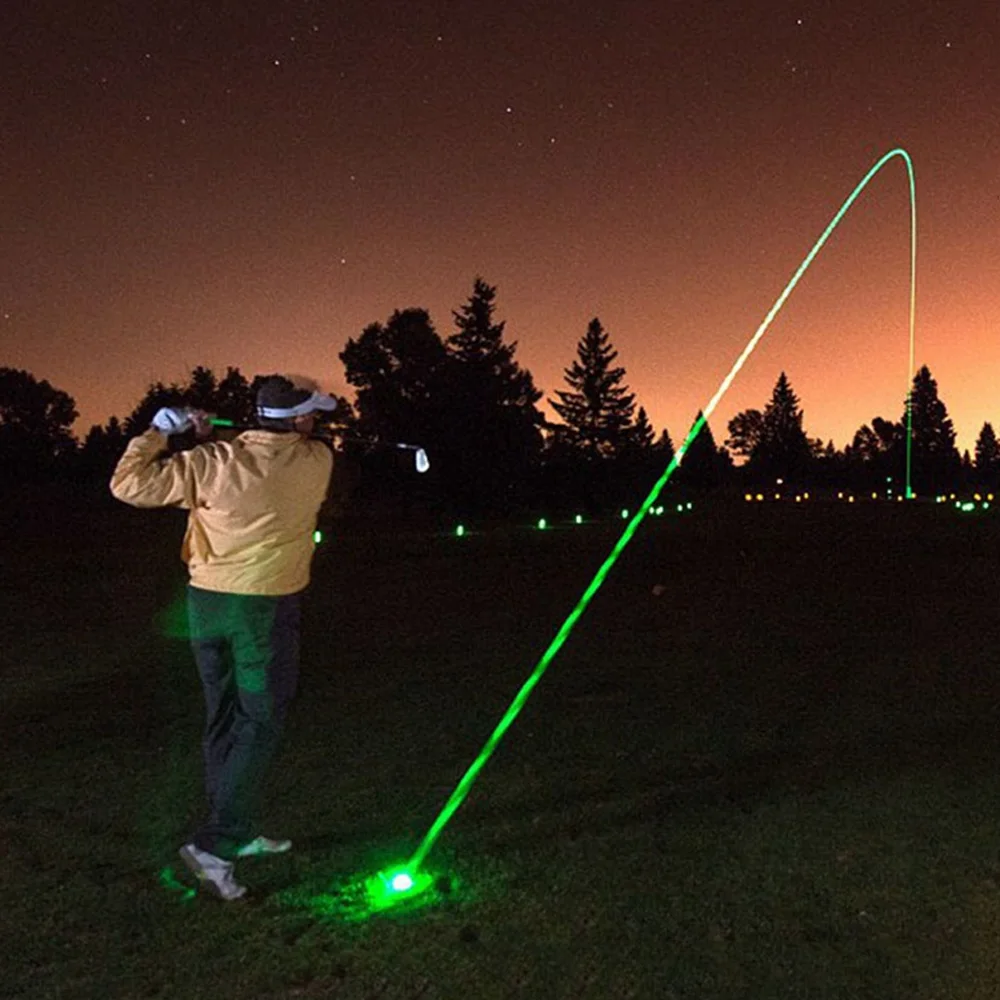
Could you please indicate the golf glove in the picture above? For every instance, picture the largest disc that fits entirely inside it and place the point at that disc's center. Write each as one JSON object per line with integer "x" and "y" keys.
{"x": 173, "y": 420}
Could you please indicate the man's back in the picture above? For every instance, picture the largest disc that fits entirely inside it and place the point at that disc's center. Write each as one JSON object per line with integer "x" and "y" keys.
{"x": 253, "y": 504}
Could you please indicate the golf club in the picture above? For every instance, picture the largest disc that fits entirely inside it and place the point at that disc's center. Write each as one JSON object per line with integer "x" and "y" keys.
{"x": 420, "y": 460}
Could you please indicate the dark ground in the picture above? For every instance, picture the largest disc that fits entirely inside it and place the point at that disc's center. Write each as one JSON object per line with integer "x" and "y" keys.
{"x": 779, "y": 778}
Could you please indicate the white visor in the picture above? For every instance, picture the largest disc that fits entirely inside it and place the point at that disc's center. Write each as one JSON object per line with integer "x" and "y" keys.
{"x": 317, "y": 401}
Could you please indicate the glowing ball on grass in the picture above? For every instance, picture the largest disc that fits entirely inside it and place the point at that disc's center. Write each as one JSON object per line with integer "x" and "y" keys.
{"x": 397, "y": 885}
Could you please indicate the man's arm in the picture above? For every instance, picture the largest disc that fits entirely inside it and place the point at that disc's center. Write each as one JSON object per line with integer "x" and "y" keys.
{"x": 148, "y": 476}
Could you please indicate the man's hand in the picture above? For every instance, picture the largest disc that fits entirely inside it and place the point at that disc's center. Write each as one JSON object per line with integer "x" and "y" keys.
{"x": 203, "y": 427}
{"x": 173, "y": 419}
{"x": 170, "y": 420}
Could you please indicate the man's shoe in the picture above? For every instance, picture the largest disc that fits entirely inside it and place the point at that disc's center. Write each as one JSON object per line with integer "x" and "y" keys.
{"x": 214, "y": 873}
{"x": 263, "y": 845}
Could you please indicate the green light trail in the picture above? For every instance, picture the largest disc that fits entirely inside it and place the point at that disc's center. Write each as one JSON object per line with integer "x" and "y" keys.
{"x": 462, "y": 789}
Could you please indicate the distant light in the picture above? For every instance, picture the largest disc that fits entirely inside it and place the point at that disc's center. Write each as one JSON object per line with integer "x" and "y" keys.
{"x": 748, "y": 496}
{"x": 690, "y": 505}
{"x": 317, "y": 537}
{"x": 460, "y": 530}
{"x": 760, "y": 496}
{"x": 542, "y": 524}
{"x": 578, "y": 519}
{"x": 624, "y": 513}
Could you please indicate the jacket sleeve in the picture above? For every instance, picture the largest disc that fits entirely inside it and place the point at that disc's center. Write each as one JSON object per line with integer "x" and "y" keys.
{"x": 148, "y": 476}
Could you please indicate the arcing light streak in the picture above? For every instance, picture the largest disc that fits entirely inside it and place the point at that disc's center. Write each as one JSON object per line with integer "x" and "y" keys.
{"x": 462, "y": 789}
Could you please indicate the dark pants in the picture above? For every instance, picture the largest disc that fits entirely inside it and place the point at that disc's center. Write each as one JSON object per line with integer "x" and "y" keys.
{"x": 246, "y": 647}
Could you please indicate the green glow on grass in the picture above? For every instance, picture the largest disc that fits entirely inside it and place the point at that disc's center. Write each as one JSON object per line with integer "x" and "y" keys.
{"x": 395, "y": 886}
{"x": 169, "y": 881}
{"x": 462, "y": 789}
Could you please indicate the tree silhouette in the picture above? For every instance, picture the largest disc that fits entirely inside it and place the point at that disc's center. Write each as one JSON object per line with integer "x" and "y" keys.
{"x": 987, "y": 463}
{"x": 876, "y": 455}
{"x": 705, "y": 466}
{"x": 35, "y": 422}
{"x": 495, "y": 438}
{"x": 746, "y": 433}
{"x": 774, "y": 441}
{"x": 401, "y": 372}
{"x": 642, "y": 435}
{"x": 398, "y": 370}
{"x": 101, "y": 449}
{"x": 598, "y": 410}
{"x": 935, "y": 462}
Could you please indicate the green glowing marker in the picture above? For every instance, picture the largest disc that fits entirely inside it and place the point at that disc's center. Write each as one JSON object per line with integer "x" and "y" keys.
{"x": 460, "y": 530}
{"x": 578, "y": 519}
{"x": 542, "y": 524}
{"x": 462, "y": 789}
{"x": 624, "y": 514}
{"x": 317, "y": 536}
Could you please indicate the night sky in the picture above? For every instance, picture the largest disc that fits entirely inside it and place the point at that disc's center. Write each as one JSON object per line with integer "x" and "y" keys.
{"x": 251, "y": 184}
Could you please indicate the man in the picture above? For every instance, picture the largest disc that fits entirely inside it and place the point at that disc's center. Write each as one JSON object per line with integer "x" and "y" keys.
{"x": 253, "y": 505}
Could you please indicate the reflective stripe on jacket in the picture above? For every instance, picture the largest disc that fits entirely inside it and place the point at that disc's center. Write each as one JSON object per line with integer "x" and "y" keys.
{"x": 253, "y": 503}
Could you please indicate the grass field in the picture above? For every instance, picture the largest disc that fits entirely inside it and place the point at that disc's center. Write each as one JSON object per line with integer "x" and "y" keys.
{"x": 777, "y": 779}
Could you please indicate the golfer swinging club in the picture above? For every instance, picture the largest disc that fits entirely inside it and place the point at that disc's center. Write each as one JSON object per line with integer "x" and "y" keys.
{"x": 253, "y": 505}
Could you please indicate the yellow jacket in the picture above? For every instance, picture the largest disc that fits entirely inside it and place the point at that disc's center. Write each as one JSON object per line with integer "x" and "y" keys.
{"x": 253, "y": 503}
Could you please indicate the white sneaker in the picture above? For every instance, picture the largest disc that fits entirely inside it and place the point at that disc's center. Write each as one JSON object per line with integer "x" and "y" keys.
{"x": 214, "y": 873}
{"x": 263, "y": 845}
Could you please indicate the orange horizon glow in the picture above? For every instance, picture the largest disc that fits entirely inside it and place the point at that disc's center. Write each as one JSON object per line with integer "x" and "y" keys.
{"x": 254, "y": 194}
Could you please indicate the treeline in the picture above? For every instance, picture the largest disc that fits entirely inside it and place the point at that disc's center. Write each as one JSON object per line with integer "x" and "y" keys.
{"x": 468, "y": 401}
